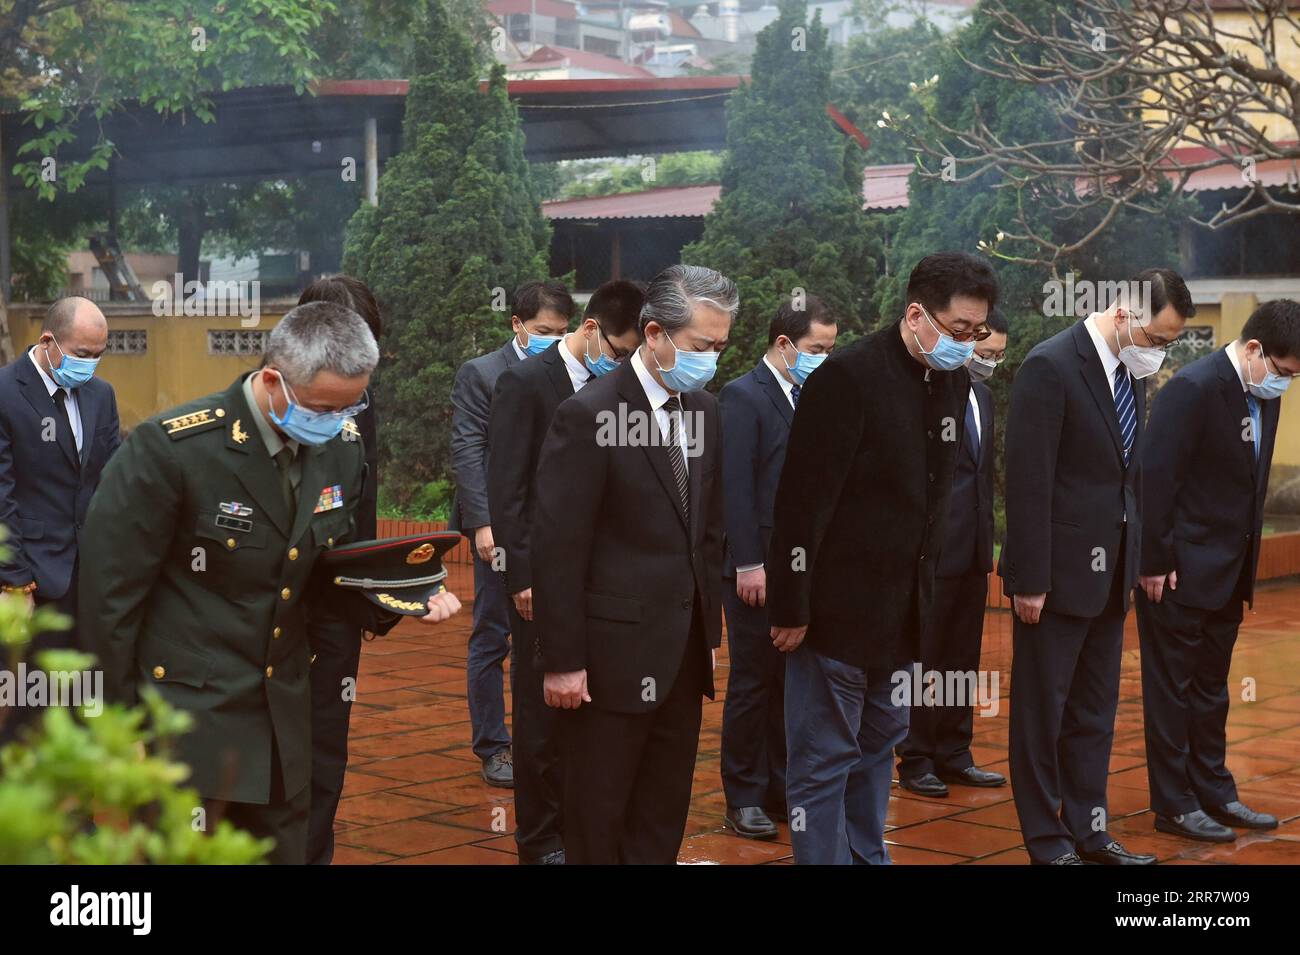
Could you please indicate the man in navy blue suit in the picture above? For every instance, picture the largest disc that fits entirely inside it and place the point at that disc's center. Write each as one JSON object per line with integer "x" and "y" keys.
{"x": 757, "y": 410}
{"x": 937, "y": 749}
{"x": 1204, "y": 478}
{"x": 58, "y": 428}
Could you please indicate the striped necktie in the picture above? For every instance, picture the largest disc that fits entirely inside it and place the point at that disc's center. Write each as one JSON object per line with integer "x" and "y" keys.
{"x": 1252, "y": 405}
{"x": 1125, "y": 409}
{"x": 675, "y": 457}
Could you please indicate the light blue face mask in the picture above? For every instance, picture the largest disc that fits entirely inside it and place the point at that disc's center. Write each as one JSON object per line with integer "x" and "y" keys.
{"x": 947, "y": 354}
{"x": 307, "y": 426}
{"x": 691, "y": 371}
{"x": 804, "y": 365}
{"x": 537, "y": 344}
{"x": 1273, "y": 386}
{"x": 603, "y": 364}
{"x": 73, "y": 372}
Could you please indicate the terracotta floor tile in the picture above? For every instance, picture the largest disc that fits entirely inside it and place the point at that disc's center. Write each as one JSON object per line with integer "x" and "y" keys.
{"x": 460, "y": 855}
{"x": 407, "y": 838}
{"x": 411, "y": 755}
{"x": 956, "y": 838}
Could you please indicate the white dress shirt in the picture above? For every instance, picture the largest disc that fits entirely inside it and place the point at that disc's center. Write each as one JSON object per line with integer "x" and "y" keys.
{"x": 657, "y": 395}
{"x": 579, "y": 374}
{"x": 73, "y": 409}
{"x": 1108, "y": 360}
{"x": 979, "y": 425}
{"x": 786, "y": 386}
{"x": 1236, "y": 364}
{"x": 518, "y": 351}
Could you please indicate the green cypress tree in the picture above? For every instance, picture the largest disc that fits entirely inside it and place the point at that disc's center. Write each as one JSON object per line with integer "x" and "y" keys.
{"x": 458, "y": 226}
{"x": 969, "y": 216}
{"x": 790, "y": 216}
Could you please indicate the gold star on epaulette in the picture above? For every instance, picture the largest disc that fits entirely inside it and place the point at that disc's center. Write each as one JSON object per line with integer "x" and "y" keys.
{"x": 187, "y": 424}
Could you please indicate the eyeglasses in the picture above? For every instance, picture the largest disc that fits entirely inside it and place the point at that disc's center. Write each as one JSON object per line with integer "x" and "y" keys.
{"x": 980, "y": 332}
{"x": 349, "y": 412}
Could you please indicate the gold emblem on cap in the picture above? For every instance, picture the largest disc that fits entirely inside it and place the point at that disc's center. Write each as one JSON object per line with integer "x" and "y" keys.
{"x": 237, "y": 432}
{"x": 388, "y": 600}
{"x": 421, "y": 555}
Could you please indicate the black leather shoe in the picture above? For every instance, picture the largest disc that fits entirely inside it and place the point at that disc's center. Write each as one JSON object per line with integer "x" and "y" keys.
{"x": 499, "y": 770}
{"x": 1195, "y": 825}
{"x": 972, "y": 776}
{"x": 751, "y": 823}
{"x": 1236, "y": 814}
{"x": 1069, "y": 858}
{"x": 1115, "y": 854}
{"x": 927, "y": 784}
{"x": 555, "y": 857}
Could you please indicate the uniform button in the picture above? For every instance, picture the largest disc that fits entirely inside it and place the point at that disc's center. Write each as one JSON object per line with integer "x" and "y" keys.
{"x": 221, "y": 412}
{"x": 270, "y": 672}
{"x": 686, "y": 605}
{"x": 293, "y": 553}
{"x": 313, "y": 658}
{"x": 929, "y": 434}
{"x": 159, "y": 673}
{"x": 329, "y": 542}
{"x": 285, "y": 594}
{"x": 275, "y": 634}
{"x": 923, "y": 557}
{"x": 931, "y": 477}
{"x": 230, "y": 543}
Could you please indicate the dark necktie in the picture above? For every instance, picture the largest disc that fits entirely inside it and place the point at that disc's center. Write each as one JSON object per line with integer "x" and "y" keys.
{"x": 1252, "y": 405}
{"x": 63, "y": 425}
{"x": 972, "y": 432}
{"x": 794, "y": 395}
{"x": 1125, "y": 409}
{"x": 283, "y": 460}
{"x": 675, "y": 457}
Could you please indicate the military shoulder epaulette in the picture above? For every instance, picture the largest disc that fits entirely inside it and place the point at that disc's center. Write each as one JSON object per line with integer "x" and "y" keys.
{"x": 193, "y": 422}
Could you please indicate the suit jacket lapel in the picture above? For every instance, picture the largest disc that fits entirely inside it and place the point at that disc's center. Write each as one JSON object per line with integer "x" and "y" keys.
{"x": 259, "y": 475}
{"x": 1234, "y": 399}
{"x": 775, "y": 393}
{"x": 309, "y": 488}
{"x": 38, "y": 396}
{"x": 629, "y": 386}
{"x": 693, "y": 424}
{"x": 1095, "y": 377}
{"x": 88, "y": 408}
{"x": 557, "y": 371}
{"x": 985, "y": 401}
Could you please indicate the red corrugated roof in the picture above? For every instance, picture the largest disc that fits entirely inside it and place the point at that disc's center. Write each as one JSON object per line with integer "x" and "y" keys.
{"x": 663, "y": 203}
{"x": 559, "y": 57}
{"x": 543, "y": 8}
{"x": 885, "y": 187}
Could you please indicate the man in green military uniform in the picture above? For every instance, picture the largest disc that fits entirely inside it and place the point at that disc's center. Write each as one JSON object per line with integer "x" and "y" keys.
{"x": 200, "y": 545}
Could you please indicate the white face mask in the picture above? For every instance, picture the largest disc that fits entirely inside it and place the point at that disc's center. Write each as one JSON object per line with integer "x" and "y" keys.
{"x": 1142, "y": 361}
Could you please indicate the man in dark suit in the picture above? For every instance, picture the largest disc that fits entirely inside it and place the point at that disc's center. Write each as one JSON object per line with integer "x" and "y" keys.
{"x": 937, "y": 749}
{"x": 526, "y": 397}
{"x": 1204, "y": 479}
{"x": 541, "y": 312}
{"x": 858, "y": 519}
{"x": 1074, "y": 440}
{"x": 627, "y": 555}
{"x": 58, "y": 428}
{"x": 757, "y": 409}
{"x": 335, "y": 641}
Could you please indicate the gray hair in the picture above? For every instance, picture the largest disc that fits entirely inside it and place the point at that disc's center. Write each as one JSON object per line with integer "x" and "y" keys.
{"x": 321, "y": 336}
{"x": 673, "y": 294}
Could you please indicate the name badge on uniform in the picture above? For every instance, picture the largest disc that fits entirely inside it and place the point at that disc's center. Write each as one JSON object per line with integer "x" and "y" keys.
{"x": 331, "y": 498}
{"x": 232, "y": 516}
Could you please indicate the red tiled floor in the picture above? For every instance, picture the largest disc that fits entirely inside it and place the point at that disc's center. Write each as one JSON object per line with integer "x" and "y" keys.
{"x": 414, "y": 793}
